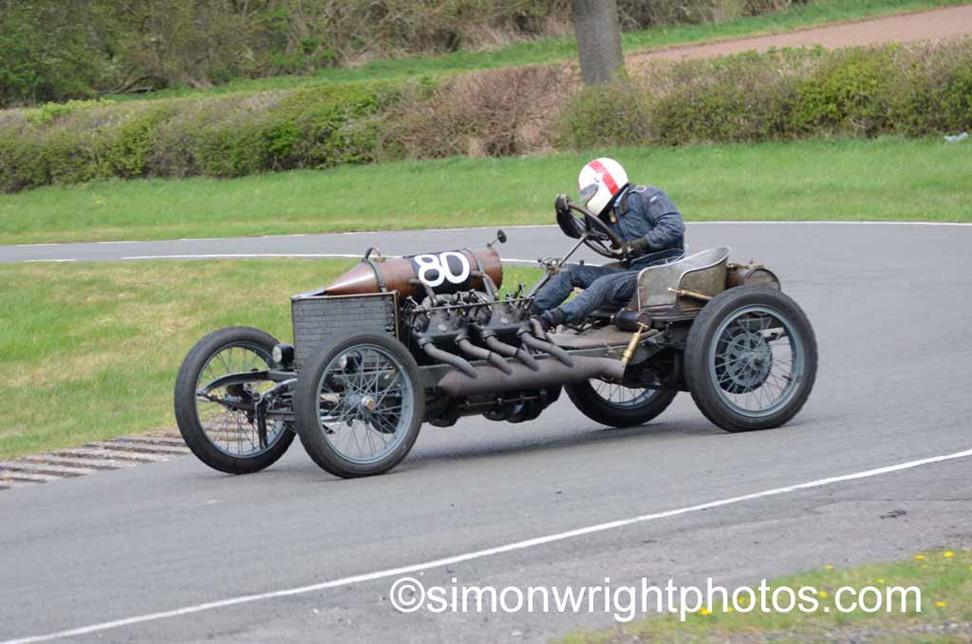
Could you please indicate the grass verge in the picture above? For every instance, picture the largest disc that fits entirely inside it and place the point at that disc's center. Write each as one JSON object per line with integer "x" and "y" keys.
{"x": 550, "y": 50}
{"x": 92, "y": 350}
{"x": 943, "y": 577}
{"x": 882, "y": 179}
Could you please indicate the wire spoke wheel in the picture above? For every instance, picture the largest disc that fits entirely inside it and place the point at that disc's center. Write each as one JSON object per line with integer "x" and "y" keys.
{"x": 621, "y": 396}
{"x": 228, "y": 414}
{"x": 220, "y": 424}
{"x": 754, "y": 358}
{"x": 365, "y": 404}
{"x": 617, "y": 405}
{"x": 751, "y": 358}
{"x": 360, "y": 406}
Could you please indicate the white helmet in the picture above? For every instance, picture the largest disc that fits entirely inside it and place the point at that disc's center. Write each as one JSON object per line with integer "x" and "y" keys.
{"x": 599, "y": 183}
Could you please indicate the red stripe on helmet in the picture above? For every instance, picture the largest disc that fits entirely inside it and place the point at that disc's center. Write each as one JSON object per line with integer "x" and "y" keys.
{"x": 609, "y": 181}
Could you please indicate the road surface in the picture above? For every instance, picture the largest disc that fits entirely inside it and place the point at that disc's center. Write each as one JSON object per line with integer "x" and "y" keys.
{"x": 154, "y": 545}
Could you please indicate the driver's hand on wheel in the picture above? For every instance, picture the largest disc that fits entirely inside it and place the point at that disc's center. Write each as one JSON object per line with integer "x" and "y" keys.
{"x": 635, "y": 247}
{"x": 562, "y": 204}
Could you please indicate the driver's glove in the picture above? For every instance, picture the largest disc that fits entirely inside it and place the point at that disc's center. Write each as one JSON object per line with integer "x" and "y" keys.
{"x": 635, "y": 247}
{"x": 562, "y": 204}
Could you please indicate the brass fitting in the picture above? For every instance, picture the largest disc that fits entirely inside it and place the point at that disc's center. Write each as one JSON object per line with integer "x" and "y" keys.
{"x": 633, "y": 344}
{"x": 692, "y": 294}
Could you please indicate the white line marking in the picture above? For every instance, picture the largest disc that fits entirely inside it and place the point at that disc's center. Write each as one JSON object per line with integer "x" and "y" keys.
{"x": 487, "y": 552}
{"x": 243, "y": 255}
{"x": 441, "y": 230}
{"x": 57, "y": 261}
{"x": 811, "y": 222}
{"x": 511, "y": 260}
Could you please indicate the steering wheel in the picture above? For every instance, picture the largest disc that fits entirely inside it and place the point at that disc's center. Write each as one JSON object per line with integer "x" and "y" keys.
{"x": 597, "y": 235}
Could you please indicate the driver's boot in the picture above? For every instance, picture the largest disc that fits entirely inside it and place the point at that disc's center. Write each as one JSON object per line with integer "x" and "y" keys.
{"x": 551, "y": 319}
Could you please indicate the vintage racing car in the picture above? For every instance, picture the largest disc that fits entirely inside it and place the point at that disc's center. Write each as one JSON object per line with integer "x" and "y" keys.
{"x": 396, "y": 342}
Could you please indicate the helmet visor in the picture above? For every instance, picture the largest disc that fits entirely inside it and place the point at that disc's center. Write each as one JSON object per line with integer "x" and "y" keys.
{"x": 588, "y": 192}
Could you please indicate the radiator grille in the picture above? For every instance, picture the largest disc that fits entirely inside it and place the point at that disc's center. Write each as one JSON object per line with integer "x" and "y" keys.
{"x": 319, "y": 320}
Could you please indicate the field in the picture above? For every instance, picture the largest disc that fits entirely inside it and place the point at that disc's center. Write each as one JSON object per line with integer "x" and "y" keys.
{"x": 944, "y": 577}
{"x": 883, "y": 179}
{"x": 93, "y": 351}
{"x": 551, "y": 50}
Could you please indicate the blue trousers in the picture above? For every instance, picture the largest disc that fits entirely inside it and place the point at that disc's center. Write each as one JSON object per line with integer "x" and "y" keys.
{"x": 603, "y": 287}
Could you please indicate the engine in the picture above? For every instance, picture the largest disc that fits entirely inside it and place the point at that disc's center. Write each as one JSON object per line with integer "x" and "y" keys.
{"x": 478, "y": 349}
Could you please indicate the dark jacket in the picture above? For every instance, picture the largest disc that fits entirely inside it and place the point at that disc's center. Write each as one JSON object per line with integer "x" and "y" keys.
{"x": 644, "y": 211}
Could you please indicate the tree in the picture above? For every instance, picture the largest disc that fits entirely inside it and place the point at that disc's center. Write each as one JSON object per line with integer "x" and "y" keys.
{"x": 598, "y": 39}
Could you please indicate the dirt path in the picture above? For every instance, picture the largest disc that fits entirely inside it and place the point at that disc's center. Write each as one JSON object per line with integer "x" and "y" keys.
{"x": 926, "y": 25}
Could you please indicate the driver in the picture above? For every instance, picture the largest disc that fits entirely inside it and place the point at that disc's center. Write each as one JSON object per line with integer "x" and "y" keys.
{"x": 642, "y": 217}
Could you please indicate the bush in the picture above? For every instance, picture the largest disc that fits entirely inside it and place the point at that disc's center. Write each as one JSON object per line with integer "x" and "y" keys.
{"x": 493, "y": 113}
{"x": 618, "y": 113}
{"x": 637, "y": 14}
{"x": 224, "y": 136}
{"x": 906, "y": 90}
{"x": 909, "y": 90}
{"x": 848, "y": 93}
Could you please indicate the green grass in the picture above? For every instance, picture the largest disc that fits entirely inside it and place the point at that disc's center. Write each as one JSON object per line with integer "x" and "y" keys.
{"x": 883, "y": 179}
{"x": 92, "y": 351}
{"x": 944, "y": 578}
{"x": 550, "y": 50}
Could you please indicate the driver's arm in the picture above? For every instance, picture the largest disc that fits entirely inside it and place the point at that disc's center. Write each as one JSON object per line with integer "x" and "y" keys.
{"x": 665, "y": 226}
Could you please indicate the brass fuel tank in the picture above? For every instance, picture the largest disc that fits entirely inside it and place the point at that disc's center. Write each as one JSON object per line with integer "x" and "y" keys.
{"x": 443, "y": 271}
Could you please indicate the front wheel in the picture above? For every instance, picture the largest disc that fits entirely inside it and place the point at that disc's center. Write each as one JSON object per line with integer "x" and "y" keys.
{"x": 359, "y": 406}
{"x": 617, "y": 405}
{"x": 220, "y": 424}
{"x": 750, "y": 359}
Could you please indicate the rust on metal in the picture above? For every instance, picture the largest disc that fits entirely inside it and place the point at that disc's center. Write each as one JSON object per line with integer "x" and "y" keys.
{"x": 751, "y": 275}
{"x": 374, "y": 275}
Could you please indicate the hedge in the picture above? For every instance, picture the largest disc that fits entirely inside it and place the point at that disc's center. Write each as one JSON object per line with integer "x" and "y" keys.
{"x": 904, "y": 90}
{"x": 223, "y": 136}
{"x": 912, "y": 90}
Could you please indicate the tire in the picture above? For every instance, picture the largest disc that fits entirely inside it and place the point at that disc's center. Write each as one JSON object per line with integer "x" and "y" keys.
{"x": 599, "y": 409}
{"x": 366, "y": 359}
{"x": 201, "y": 437}
{"x": 735, "y": 353}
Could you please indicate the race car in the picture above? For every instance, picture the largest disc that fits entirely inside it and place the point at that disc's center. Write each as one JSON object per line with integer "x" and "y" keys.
{"x": 398, "y": 342}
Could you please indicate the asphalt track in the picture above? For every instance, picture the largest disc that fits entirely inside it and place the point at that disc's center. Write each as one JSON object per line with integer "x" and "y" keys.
{"x": 301, "y": 555}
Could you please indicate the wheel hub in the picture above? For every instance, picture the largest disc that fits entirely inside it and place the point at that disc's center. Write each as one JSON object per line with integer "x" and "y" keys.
{"x": 362, "y": 404}
{"x": 748, "y": 360}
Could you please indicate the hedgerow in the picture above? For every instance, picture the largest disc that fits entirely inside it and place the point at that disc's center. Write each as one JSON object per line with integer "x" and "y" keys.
{"x": 223, "y": 136}
{"x": 913, "y": 90}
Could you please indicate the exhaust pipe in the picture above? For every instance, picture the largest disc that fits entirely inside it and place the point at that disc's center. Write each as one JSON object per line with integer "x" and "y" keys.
{"x": 508, "y": 350}
{"x": 473, "y": 351}
{"x": 452, "y": 359}
{"x": 550, "y": 373}
{"x": 534, "y": 342}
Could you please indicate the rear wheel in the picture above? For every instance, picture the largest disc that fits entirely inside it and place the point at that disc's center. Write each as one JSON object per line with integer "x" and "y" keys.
{"x": 616, "y": 405}
{"x": 360, "y": 405}
{"x": 750, "y": 359}
{"x": 220, "y": 425}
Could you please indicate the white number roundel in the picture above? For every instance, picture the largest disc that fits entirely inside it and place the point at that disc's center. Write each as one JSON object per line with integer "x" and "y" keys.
{"x": 435, "y": 270}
